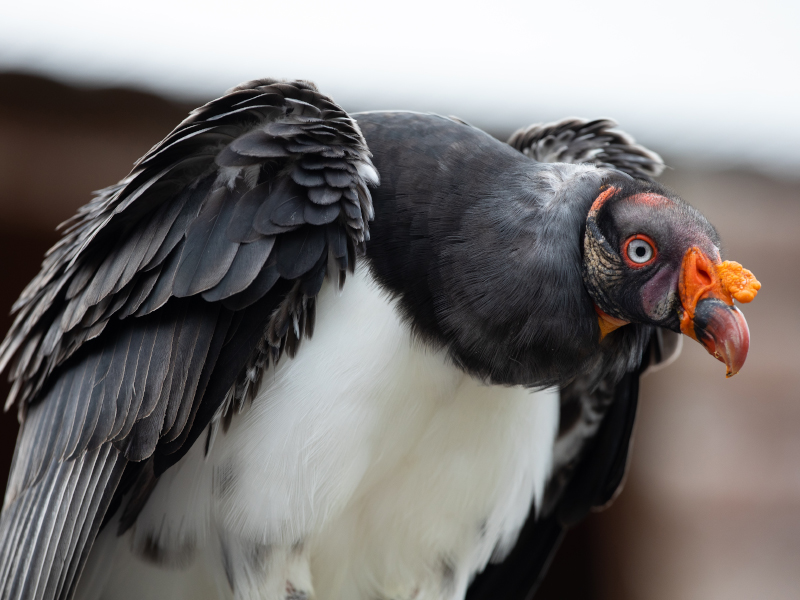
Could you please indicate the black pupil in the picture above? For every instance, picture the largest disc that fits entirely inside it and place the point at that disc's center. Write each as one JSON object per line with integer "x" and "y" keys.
{"x": 640, "y": 251}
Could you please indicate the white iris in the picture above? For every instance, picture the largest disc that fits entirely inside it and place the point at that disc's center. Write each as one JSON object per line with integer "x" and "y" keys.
{"x": 640, "y": 251}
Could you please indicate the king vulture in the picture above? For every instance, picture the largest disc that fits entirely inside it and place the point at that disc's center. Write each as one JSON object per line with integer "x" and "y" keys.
{"x": 298, "y": 354}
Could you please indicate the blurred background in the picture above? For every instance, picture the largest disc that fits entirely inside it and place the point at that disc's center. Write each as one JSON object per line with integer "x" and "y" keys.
{"x": 711, "y": 508}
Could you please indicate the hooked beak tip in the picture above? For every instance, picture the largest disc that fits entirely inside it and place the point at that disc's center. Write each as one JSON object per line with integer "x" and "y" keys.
{"x": 723, "y": 330}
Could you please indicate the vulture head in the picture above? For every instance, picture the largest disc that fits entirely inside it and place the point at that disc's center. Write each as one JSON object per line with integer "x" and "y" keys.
{"x": 651, "y": 258}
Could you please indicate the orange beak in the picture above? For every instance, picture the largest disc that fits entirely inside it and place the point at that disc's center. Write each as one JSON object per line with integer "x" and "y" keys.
{"x": 707, "y": 291}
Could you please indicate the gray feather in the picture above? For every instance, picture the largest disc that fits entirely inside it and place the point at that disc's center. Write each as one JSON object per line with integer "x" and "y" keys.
{"x": 583, "y": 141}
{"x": 320, "y": 215}
{"x": 245, "y": 267}
{"x": 298, "y": 251}
{"x": 324, "y": 195}
{"x": 240, "y": 228}
{"x": 262, "y": 284}
{"x": 207, "y": 250}
{"x": 288, "y": 212}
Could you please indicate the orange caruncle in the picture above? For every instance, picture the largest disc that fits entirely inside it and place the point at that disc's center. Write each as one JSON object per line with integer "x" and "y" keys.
{"x": 738, "y": 281}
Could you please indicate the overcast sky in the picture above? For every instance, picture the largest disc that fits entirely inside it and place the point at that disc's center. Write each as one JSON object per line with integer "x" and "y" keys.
{"x": 715, "y": 80}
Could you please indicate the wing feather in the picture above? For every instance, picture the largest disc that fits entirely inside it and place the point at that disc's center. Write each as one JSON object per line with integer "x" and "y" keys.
{"x": 140, "y": 292}
{"x": 191, "y": 201}
{"x": 207, "y": 250}
{"x": 582, "y": 141}
{"x": 241, "y": 228}
{"x": 245, "y": 267}
{"x": 261, "y": 285}
{"x": 166, "y": 297}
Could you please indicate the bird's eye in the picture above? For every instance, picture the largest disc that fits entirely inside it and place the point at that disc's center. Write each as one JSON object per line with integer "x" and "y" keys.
{"x": 639, "y": 250}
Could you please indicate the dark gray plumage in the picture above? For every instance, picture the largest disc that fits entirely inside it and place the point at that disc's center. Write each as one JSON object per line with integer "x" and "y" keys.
{"x": 582, "y": 141}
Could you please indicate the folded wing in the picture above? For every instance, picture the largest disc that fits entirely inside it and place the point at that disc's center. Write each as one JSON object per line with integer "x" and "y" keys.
{"x": 162, "y": 303}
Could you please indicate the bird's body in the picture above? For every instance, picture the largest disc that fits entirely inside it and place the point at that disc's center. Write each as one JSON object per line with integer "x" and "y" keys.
{"x": 391, "y": 472}
{"x": 469, "y": 390}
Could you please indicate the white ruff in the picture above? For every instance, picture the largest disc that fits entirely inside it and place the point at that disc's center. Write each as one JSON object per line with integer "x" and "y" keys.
{"x": 367, "y": 467}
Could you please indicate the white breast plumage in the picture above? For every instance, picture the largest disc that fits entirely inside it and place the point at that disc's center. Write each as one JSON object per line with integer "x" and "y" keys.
{"x": 367, "y": 467}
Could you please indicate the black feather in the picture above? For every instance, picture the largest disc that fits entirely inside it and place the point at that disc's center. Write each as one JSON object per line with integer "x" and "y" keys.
{"x": 314, "y": 214}
{"x": 192, "y": 202}
{"x": 110, "y": 271}
{"x": 105, "y": 420}
{"x": 162, "y": 290}
{"x": 207, "y": 250}
{"x": 314, "y": 163}
{"x": 282, "y": 192}
{"x": 288, "y": 212}
{"x": 245, "y": 267}
{"x": 240, "y": 228}
{"x": 337, "y": 241}
{"x": 77, "y": 400}
{"x": 599, "y": 474}
{"x": 127, "y": 405}
{"x": 205, "y": 322}
{"x": 298, "y": 251}
{"x": 312, "y": 282}
{"x": 307, "y": 178}
{"x": 521, "y": 572}
{"x": 338, "y": 179}
{"x": 186, "y": 332}
{"x": 141, "y": 290}
{"x": 213, "y": 333}
{"x": 82, "y": 277}
{"x": 581, "y": 141}
{"x": 262, "y": 284}
{"x": 258, "y": 144}
{"x": 353, "y": 211}
{"x": 324, "y": 195}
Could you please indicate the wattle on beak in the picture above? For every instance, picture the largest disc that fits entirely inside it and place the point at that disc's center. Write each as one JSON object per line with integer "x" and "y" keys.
{"x": 707, "y": 290}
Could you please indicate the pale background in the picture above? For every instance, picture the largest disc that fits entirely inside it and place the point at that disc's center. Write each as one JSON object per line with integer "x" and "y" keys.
{"x": 712, "y": 505}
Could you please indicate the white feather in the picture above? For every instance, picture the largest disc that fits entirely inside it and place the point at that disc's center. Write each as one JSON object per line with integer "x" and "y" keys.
{"x": 369, "y": 466}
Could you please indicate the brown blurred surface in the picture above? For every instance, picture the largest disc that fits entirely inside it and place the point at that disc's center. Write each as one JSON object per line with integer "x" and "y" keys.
{"x": 712, "y": 504}
{"x": 59, "y": 143}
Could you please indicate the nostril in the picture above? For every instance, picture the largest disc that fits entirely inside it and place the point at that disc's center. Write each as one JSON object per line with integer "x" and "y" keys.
{"x": 704, "y": 275}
